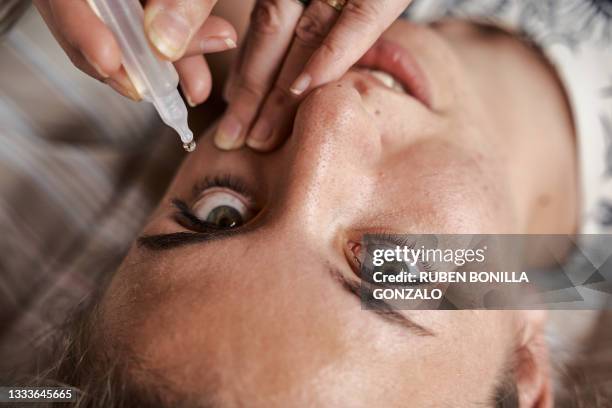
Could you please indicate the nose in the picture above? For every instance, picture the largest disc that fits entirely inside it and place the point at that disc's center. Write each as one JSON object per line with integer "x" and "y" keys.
{"x": 330, "y": 158}
{"x": 333, "y": 121}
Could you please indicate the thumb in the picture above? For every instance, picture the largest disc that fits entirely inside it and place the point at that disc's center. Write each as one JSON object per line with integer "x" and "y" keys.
{"x": 359, "y": 26}
{"x": 171, "y": 24}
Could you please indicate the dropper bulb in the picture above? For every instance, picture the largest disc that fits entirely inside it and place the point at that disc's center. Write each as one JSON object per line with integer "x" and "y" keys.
{"x": 189, "y": 147}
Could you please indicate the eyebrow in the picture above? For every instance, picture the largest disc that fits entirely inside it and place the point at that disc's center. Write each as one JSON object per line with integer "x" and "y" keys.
{"x": 379, "y": 307}
{"x": 163, "y": 242}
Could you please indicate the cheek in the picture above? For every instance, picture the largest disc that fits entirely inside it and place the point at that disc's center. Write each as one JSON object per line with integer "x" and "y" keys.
{"x": 441, "y": 187}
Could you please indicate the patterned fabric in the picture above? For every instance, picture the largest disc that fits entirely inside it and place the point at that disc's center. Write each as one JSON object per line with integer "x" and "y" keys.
{"x": 575, "y": 35}
{"x": 79, "y": 172}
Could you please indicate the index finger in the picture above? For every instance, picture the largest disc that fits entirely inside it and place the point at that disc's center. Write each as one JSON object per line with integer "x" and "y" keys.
{"x": 270, "y": 32}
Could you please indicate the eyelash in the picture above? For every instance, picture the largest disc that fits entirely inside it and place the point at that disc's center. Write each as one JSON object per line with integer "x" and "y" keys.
{"x": 222, "y": 180}
{"x": 185, "y": 217}
{"x": 395, "y": 240}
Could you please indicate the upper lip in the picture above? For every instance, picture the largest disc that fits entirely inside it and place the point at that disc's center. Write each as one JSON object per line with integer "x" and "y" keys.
{"x": 397, "y": 61}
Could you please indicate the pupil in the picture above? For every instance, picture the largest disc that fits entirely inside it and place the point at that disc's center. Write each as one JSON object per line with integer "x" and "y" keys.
{"x": 394, "y": 268}
{"x": 225, "y": 217}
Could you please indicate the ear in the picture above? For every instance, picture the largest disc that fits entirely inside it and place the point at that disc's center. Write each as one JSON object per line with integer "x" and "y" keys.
{"x": 532, "y": 365}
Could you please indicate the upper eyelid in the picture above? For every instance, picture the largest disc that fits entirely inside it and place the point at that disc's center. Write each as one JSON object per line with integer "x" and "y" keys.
{"x": 357, "y": 263}
{"x": 382, "y": 237}
{"x": 184, "y": 210}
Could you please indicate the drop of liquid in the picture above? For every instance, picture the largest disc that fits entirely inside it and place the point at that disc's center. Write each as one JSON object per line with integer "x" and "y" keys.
{"x": 189, "y": 147}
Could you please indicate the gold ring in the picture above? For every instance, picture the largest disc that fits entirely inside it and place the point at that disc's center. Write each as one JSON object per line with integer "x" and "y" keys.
{"x": 337, "y": 4}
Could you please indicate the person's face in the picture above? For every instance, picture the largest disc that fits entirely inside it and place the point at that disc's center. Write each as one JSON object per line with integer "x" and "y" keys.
{"x": 256, "y": 311}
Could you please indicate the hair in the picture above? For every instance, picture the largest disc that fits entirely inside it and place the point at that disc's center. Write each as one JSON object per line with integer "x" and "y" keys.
{"x": 586, "y": 381}
{"x": 101, "y": 378}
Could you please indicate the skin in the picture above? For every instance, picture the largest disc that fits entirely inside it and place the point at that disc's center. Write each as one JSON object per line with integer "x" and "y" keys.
{"x": 289, "y": 50}
{"x": 182, "y": 31}
{"x": 179, "y": 31}
{"x": 256, "y": 319}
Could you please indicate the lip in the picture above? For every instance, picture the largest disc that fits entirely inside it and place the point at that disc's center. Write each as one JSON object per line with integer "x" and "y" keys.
{"x": 397, "y": 61}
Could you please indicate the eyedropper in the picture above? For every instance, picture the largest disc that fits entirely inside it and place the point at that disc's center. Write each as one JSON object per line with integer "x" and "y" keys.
{"x": 155, "y": 80}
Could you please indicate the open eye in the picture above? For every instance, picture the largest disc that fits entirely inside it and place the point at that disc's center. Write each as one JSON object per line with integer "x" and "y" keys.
{"x": 363, "y": 266}
{"x": 222, "y": 208}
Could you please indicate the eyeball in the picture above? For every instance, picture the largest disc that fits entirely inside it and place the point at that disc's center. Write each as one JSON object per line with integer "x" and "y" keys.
{"x": 222, "y": 208}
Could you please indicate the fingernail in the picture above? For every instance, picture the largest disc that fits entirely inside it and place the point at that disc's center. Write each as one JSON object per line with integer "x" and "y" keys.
{"x": 260, "y": 134}
{"x": 227, "y": 90}
{"x": 187, "y": 97}
{"x": 215, "y": 44}
{"x": 123, "y": 90}
{"x": 189, "y": 101}
{"x": 228, "y": 133}
{"x": 169, "y": 32}
{"x": 226, "y": 94}
{"x": 301, "y": 84}
{"x": 127, "y": 84}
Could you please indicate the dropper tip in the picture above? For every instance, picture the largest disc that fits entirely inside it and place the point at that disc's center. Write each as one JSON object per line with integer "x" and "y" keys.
{"x": 189, "y": 147}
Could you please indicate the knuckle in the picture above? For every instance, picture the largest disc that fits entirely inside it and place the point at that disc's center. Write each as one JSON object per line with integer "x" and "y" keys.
{"x": 250, "y": 87}
{"x": 310, "y": 30}
{"x": 266, "y": 17}
{"x": 364, "y": 11}
{"x": 330, "y": 51}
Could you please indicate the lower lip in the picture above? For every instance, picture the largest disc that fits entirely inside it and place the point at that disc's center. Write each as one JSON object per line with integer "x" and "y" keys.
{"x": 396, "y": 60}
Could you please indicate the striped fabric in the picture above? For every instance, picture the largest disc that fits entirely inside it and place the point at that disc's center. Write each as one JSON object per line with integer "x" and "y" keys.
{"x": 79, "y": 171}
{"x": 10, "y": 12}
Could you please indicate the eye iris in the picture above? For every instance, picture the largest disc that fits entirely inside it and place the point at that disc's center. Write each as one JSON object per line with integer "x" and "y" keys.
{"x": 395, "y": 268}
{"x": 225, "y": 217}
